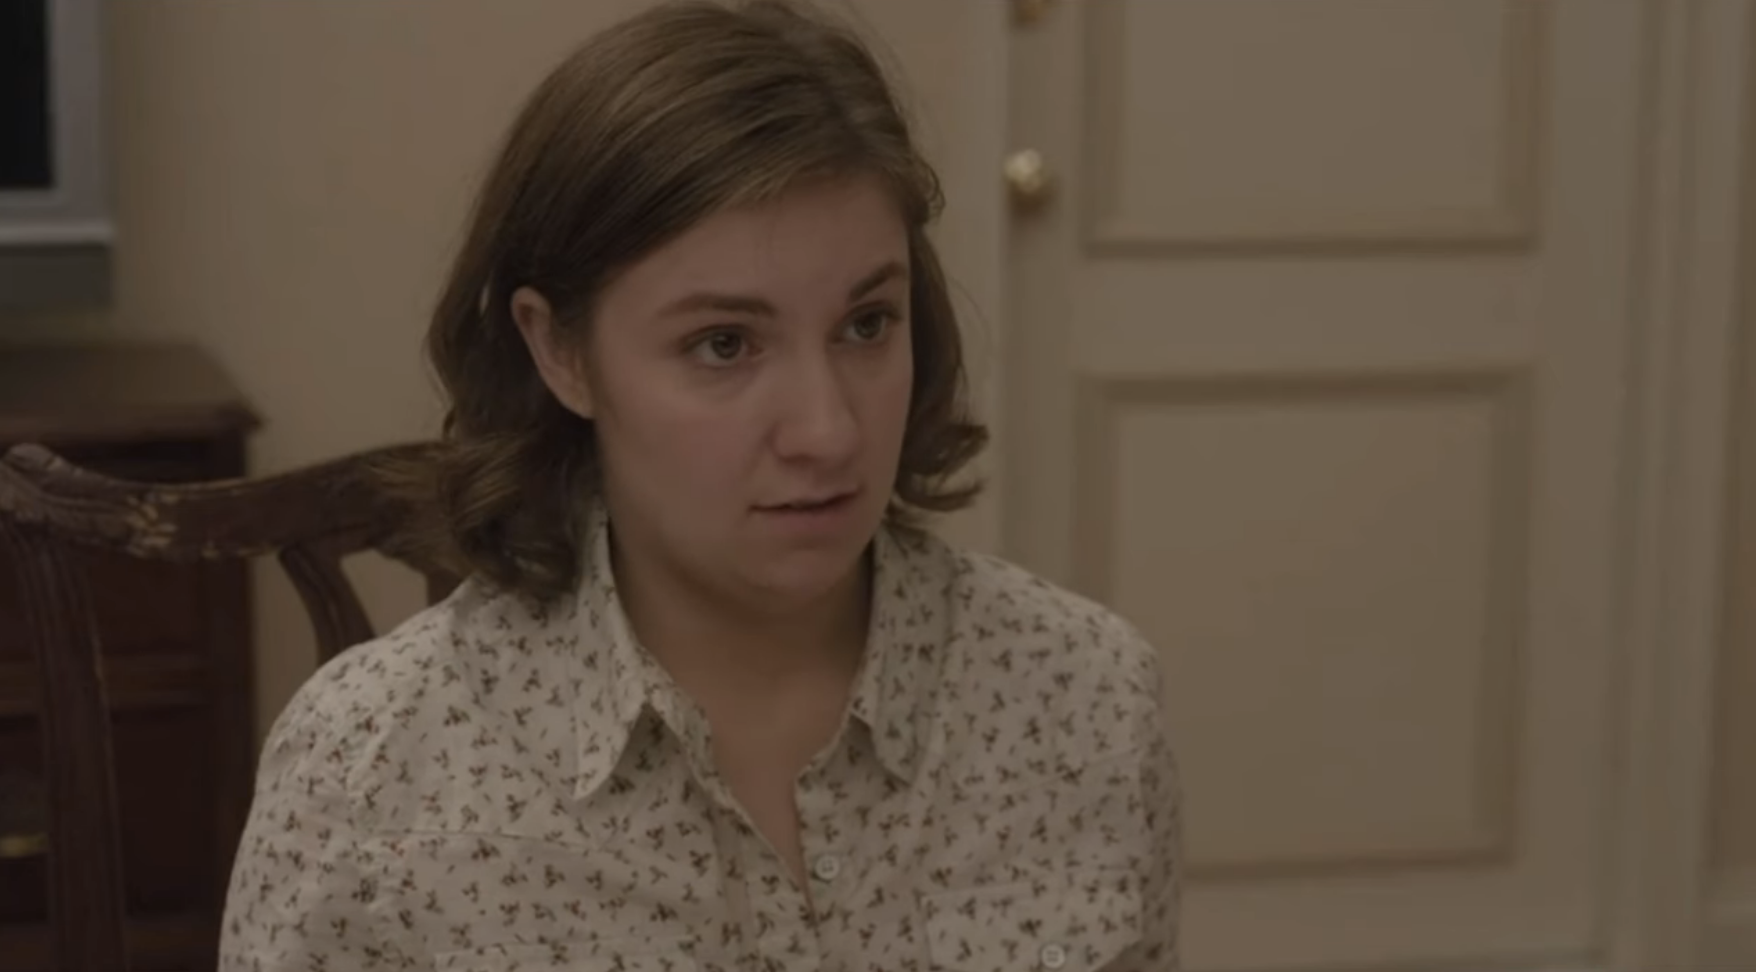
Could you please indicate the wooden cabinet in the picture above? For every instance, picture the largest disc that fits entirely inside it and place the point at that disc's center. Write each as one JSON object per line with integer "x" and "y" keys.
{"x": 176, "y": 644}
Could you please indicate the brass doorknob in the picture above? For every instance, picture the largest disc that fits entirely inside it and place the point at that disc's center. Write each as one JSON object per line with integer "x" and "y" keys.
{"x": 1028, "y": 178}
{"x": 1028, "y": 12}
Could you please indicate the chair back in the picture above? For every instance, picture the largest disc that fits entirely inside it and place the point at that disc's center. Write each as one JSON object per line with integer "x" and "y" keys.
{"x": 310, "y": 519}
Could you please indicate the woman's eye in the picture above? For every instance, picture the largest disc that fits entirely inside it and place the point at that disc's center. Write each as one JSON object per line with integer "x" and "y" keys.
{"x": 870, "y": 325}
{"x": 720, "y": 347}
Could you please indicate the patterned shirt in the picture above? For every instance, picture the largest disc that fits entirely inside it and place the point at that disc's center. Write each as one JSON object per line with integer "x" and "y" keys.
{"x": 500, "y": 786}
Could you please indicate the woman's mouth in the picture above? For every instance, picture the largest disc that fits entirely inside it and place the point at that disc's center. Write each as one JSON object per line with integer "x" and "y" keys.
{"x": 809, "y": 505}
{"x": 806, "y": 508}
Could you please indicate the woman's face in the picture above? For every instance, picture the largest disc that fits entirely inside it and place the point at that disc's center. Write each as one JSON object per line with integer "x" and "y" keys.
{"x": 750, "y": 385}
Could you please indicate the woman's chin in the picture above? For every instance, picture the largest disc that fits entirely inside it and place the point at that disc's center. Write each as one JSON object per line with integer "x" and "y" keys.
{"x": 803, "y": 577}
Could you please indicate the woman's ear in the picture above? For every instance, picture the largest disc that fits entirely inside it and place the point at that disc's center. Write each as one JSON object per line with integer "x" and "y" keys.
{"x": 558, "y": 359}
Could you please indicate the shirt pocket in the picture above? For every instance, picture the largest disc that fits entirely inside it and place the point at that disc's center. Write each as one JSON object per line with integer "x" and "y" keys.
{"x": 567, "y": 957}
{"x": 1079, "y": 924}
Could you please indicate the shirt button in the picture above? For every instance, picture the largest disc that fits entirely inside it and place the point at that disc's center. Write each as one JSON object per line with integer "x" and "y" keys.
{"x": 827, "y": 867}
{"x": 1053, "y": 956}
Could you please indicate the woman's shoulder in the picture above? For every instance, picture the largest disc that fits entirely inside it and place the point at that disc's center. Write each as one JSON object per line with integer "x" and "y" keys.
{"x": 1003, "y": 591}
{"x": 1035, "y": 673}
{"x": 430, "y": 665}
{"x": 1004, "y": 615}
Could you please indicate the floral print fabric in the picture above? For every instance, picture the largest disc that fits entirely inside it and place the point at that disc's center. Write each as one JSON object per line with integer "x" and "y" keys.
{"x": 498, "y": 786}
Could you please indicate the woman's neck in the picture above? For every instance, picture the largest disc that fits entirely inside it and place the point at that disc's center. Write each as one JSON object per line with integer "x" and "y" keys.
{"x": 713, "y": 637}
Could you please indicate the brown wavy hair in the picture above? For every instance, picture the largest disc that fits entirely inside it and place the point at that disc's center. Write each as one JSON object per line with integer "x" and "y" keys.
{"x": 681, "y": 111}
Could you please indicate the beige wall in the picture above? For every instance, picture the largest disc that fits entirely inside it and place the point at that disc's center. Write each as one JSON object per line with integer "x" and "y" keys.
{"x": 291, "y": 177}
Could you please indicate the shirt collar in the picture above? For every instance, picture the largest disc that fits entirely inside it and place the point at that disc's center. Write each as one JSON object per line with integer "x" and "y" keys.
{"x": 893, "y": 691}
{"x": 905, "y": 643}
{"x": 620, "y": 680}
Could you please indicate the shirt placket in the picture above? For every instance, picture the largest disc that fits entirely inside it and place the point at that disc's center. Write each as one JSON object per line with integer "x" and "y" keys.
{"x": 828, "y": 851}
{"x": 773, "y": 916}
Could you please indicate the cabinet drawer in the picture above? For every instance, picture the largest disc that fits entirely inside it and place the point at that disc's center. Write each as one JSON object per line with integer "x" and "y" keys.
{"x": 165, "y": 788}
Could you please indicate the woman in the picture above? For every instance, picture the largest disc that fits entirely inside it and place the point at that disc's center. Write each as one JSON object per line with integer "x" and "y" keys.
{"x": 711, "y": 698}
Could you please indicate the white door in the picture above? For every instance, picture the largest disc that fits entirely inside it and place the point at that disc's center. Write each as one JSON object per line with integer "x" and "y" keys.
{"x": 1316, "y": 351}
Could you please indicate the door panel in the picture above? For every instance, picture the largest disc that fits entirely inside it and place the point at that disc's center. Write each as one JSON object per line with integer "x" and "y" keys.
{"x": 1270, "y": 122}
{"x": 1315, "y": 370}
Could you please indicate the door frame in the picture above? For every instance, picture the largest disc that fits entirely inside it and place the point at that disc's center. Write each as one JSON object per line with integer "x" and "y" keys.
{"x": 1687, "y": 305}
{"x": 1729, "y": 933}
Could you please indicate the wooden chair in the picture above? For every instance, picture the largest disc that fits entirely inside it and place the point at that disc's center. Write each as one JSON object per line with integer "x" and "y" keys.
{"x": 310, "y": 519}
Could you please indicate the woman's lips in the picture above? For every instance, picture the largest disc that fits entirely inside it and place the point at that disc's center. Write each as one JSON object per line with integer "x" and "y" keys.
{"x": 829, "y": 514}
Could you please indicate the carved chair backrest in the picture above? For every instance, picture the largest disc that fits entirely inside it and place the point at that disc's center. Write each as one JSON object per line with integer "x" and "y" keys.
{"x": 310, "y": 519}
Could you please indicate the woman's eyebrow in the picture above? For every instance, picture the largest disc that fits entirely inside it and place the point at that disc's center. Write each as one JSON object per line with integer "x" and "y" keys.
{"x": 759, "y": 307}
{"x": 706, "y": 300}
{"x": 878, "y": 278}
